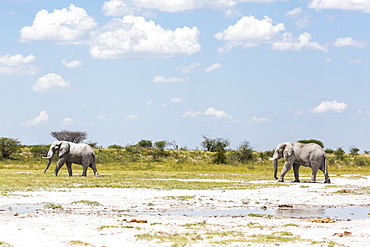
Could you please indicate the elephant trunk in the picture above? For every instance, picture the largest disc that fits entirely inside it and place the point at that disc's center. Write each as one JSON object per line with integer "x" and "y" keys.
{"x": 50, "y": 157}
{"x": 275, "y": 162}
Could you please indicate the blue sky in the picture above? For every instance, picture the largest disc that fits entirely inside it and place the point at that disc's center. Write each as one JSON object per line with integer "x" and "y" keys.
{"x": 263, "y": 71}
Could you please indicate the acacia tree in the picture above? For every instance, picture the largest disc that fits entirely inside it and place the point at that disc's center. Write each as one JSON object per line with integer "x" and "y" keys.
{"x": 69, "y": 136}
{"x": 8, "y": 146}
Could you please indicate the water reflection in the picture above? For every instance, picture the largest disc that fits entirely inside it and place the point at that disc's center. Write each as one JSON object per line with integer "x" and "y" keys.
{"x": 347, "y": 213}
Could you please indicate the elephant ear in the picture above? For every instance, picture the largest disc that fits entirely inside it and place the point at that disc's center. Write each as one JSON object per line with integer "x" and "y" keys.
{"x": 64, "y": 148}
{"x": 288, "y": 151}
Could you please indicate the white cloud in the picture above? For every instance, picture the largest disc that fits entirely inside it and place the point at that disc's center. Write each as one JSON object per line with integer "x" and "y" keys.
{"x": 213, "y": 67}
{"x": 131, "y": 117}
{"x": 249, "y": 32}
{"x": 119, "y": 8}
{"x": 68, "y": 121}
{"x": 356, "y": 61}
{"x": 149, "y": 103}
{"x": 68, "y": 25}
{"x": 130, "y": 35}
{"x": 188, "y": 68}
{"x": 256, "y": 119}
{"x": 176, "y": 100}
{"x": 349, "y": 41}
{"x": 297, "y": 111}
{"x": 51, "y": 82}
{"x": 162, "y": 79}
{"x": 71, "y": 64}
{"x": 330, "y": 106}
{"x": 17, "y": 64}
{"x": 124, "y": 7}
{"x": 360, "y": 5}
{"x": 43, "y": 117}
{"x": 211, "y": 112}
{"x": 301, "y": 17}
{"x": 289, "y": 43}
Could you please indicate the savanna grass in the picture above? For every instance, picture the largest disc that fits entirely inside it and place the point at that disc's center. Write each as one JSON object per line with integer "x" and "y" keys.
{"x": 172, "y": 170}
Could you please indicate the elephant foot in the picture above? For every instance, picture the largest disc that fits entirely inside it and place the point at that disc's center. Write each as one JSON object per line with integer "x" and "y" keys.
{"x": 296, "y": 181}
{"x": 281, "y": 180}
{"x": 97, "y": 175}
{"x": 327, "y": 181}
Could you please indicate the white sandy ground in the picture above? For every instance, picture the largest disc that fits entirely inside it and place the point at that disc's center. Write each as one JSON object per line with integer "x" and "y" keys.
{"x": 25, "y": 221}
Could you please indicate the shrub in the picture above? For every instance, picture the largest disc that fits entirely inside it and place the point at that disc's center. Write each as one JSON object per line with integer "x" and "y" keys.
{"x": 9, "y": 146}
{"x": 39, "y": 150}
{"x": 145, "y": 143}
{"x": 313, "y": 141}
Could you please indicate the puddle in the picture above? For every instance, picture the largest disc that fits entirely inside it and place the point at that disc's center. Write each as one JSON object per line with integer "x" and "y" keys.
{"x": 347, "y": 213}
{"x": 25, "y": 208}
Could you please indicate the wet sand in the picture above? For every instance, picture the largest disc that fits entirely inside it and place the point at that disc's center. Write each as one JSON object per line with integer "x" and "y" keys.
{"x": 142, "y": 217}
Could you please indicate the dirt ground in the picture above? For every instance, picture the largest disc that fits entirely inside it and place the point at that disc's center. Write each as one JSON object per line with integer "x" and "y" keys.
{"x": 271, "y": 216}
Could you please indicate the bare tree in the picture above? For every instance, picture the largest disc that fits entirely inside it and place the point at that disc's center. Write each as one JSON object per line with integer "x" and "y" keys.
{"x": 173, "y": 144}
{"x": 70, "y": 136}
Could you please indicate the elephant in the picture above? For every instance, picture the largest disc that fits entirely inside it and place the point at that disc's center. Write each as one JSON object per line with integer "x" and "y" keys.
{"x": 69, "y": 152}
{"x": 299, "y": 154}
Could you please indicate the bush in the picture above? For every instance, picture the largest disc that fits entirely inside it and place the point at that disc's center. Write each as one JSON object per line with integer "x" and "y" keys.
{"x": 313, "y": 141}
{"x": 145, "y": 143}
{"x": 115, "y": 146}
{"x": 39, "y": 150}
{"x": 8, "y": 147}
{"x": 244, "y": 152}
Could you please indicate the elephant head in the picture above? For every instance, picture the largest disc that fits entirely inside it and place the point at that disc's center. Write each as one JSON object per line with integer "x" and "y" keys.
{"x": 59, "y": 147}
{"x": 282, "y": 150}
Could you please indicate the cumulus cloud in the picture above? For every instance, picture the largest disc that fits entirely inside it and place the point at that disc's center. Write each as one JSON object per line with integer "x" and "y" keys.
{"x": 213, "y": 67}
{"x": 43, "y": 117}
{"x": 301, "y": 17}
{"x": 68, "y": 121}
{"x": 258, "y": 120}
{"x": 162, "y": 79}
{"x": 188, "y": 68}
{"x": 17, "y": 64}
{"x": 330, "y": 106}
{"x": 131, "y": 117}
{"x": 51, "y": 82}
{"x": 124, "y": 7}
{"x": 68, "y": 25}
{"x": 356, "y": 61}
{"x": 249, "y": 32}
{"x": 129, "y": 35}
{"x": 176, "y": 100}
{"x": 349, "y": 41}
{"x": 360, "y": 5}
{"x": 71, "y": 64}
{"x": 290, "y": 43}
{"x": 211, "y": 112}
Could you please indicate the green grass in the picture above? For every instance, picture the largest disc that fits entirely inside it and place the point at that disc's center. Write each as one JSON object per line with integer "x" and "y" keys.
{"x": 26, "y": 173}
{"x": 52, "y": 206}
{"x": 79, "y": 243}
{"x": 87, "y": 202}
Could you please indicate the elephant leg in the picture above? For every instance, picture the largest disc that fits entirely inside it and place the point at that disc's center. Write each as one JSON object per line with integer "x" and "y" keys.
{"x": 93, "y": 167}
{"x": 60, "y": 163}
{"x": 313, "y": 176}
{"x": 84, "y": 171}
{"x": 69, "y": 167}
{"x": 327, "y": 179}
{"x": 286, "y": 168}
{"x": 296, "y": 173}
